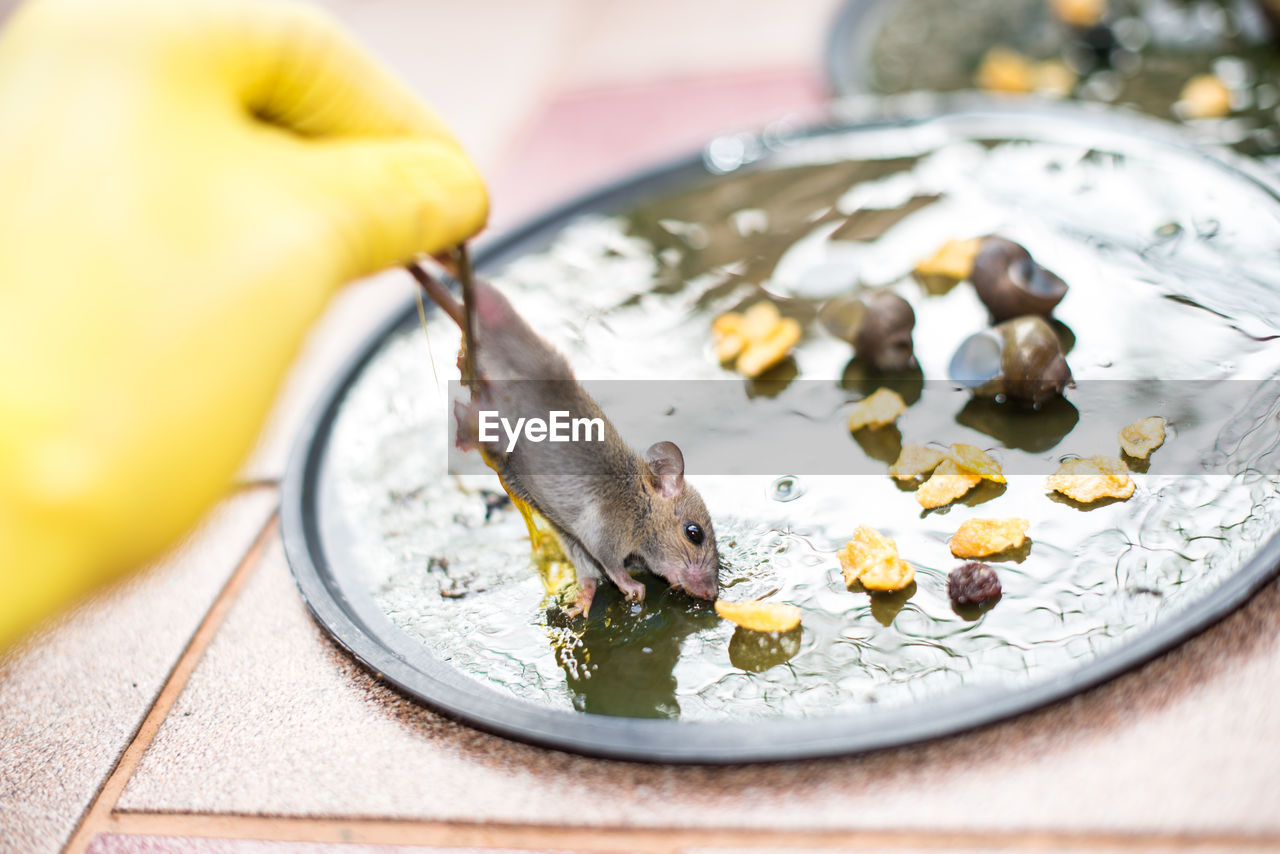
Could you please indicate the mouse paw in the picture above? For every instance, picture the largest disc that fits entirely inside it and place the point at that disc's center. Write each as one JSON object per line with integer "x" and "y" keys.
{"x": 633, "y": 590}
{"x": 582, "y": 605}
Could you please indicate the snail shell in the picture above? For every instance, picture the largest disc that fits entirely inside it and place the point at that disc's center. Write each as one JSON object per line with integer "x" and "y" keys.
{"x": 1020, "y": 359}
{"x": 1010, "y": 283}
{"x": 879, "y": 326}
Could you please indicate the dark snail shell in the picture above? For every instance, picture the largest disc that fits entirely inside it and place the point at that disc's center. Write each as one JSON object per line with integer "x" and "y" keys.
{"x": 1020, "y": 359}
{"x": 1010, "y": 283}
{"x": 879, "y": 326}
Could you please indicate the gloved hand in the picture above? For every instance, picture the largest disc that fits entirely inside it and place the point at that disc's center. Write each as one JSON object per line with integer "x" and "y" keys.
{"x": 182, "y": 186}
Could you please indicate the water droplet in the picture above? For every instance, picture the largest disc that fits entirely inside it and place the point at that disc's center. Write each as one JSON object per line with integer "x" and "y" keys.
{"x": 786, "y": 488}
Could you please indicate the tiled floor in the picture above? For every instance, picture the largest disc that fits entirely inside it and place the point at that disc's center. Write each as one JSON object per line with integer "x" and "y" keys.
{"x": 199, "y": 710}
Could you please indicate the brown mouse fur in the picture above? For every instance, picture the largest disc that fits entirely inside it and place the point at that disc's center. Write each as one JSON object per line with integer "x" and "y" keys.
{"x": 608, "y": 506}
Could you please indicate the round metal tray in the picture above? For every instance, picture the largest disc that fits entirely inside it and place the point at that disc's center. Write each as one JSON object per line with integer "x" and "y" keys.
{"x": 331, "y": 582}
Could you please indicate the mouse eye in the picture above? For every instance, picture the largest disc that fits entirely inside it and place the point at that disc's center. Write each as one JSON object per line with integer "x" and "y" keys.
{"x": 693, "y": 532}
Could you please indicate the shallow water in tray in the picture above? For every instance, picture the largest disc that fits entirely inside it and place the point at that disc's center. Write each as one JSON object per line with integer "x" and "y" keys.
{"x": 1175, "y": 275}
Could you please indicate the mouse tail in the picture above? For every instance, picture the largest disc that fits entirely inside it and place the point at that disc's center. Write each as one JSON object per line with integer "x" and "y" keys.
{"x": 439, "y": 294}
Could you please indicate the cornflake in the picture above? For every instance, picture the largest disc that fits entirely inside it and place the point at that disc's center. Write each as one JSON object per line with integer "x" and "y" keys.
{"x": 1079, "y": 13}
{"x": 983, "y": 537}
{"x": 971, "y": 459}
{"x": 1204, "y": 96}
{"x": 756, "y": 340}
{"x": 1092, "y": 478}
{"x": 1142, "y": 437}
{"x": 881, "y": 407}
{"x": 872, "y": 558}
{"x": 948, "y": 483}
{"x": 953, "y": 260}
{"x": 760, "y": 616}
{"x": 1005, "y": 70}
{"x": 915, "y": 460}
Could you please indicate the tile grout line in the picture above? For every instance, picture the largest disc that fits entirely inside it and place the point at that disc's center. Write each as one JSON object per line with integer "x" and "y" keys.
{"x": 97, "y": 818}
{"x": 648, "y": 840}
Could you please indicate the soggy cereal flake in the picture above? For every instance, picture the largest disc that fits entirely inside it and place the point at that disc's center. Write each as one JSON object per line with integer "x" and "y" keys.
{"x": 756, "y": 339}
{"x": 1053, "y": 78}
{"x": 1005, "y": 70}
{"x": 1091, "y": 478}
{"x": 728, "y": 323}
{"x": 761, "y": 354}
{"x": 759, "y": 320}
{"x": 872, "y": 558}
{"x": 953, "y": 260}
{"x": 915, "y": 460}
{"x": 881, "y": 407}
{"x": 1142, "y": 437}
{"x": 983, "y": 537}
{"x": 760, "y": 616}
{"x": 729, "y": 346}
{"x": 1079, "y": 13}
{"x": 971, "y": 459}
{"x": 947, "y": 484}
{"x": 1204, "y": 96}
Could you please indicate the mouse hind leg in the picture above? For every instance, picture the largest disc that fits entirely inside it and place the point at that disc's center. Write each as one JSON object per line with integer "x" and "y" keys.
{"x": 587, "y": 572}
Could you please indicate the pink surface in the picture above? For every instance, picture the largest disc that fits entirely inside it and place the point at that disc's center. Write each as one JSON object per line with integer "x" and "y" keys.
{"x": 113, "y": 843}
{"x": 586, "y": 138}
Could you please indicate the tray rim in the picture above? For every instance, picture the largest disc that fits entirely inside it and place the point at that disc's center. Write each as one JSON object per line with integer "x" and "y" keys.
{"x": 457, "y": 696}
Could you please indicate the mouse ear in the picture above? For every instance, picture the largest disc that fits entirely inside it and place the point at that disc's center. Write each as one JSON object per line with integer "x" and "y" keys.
{"x": 666, "y": 465}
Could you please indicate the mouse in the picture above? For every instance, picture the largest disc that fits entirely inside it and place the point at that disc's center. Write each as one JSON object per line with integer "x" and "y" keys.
{"x": 610, "y": 507}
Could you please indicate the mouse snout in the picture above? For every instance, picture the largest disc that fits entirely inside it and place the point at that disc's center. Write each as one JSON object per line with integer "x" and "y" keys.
{"x": 701, "y": 581}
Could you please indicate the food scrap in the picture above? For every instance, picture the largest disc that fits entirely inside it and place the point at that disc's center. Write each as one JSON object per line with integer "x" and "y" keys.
{"x": 948, "y": 483}
{"x": 973, "y": 584}
{"x": 1204, "y": 96}
{"x": 952, "y": 262}
{"x": 1089, "y": 479}
{"x": 760, "y": 616}
{"x": 1004, "y": 70}
{"x": 880, "y": 408}
{"x": 1053, "y": 78}
{"x": 1079, "y": 13}
{"x": 915, "y": 461}
{"x": 985, "y": 537}
{"x": 872, "y": 558}
{"x": 1142, "y": 437}
{"x": 971, "y": 459}
{"x": 757, "y": 339}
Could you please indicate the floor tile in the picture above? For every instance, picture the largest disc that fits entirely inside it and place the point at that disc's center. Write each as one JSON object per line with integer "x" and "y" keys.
{"x": 1041, "y": 847}
{"x": 278, "y": 721}
{"x": 130, "y": 844}
{"x": 72, "y": 696}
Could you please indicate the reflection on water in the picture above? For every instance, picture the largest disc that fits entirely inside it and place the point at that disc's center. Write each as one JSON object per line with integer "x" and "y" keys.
{"x": 633, "y": 296}
{"x": 622, "y": 660}
{"x": 1020, "y": 426}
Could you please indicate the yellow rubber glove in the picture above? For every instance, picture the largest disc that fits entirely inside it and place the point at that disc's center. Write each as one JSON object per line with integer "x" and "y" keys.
{"x": 182, "y": 186}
